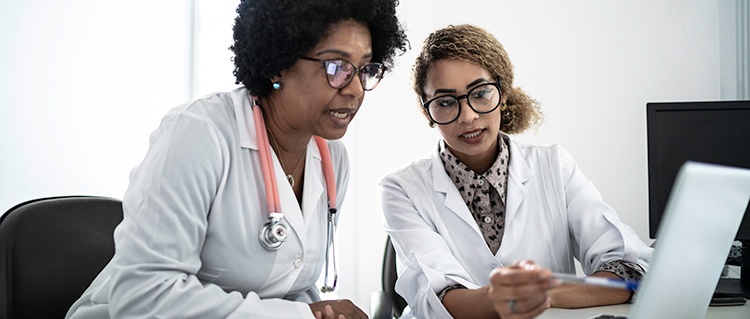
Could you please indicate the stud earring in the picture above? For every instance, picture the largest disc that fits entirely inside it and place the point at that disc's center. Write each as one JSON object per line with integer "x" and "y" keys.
{"x": 432, "y": 124}
{"x": 503, "y": 107}
{"x": 276, "y": 85}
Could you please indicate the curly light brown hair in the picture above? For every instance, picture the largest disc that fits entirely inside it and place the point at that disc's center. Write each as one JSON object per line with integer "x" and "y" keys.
{"x": 475, "y": 45}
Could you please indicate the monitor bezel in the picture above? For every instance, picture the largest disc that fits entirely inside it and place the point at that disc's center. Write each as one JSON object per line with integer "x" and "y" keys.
{"x": 654, "y": 213}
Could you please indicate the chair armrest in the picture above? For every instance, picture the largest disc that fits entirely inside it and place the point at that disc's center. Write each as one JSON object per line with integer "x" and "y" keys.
{"x": 381, "y": 305}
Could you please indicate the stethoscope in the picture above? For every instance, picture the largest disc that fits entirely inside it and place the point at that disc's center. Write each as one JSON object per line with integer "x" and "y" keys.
{"x": 274, "y": 233}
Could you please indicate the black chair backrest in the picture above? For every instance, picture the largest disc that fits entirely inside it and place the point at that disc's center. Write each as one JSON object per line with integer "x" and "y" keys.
{"x": 389, "y": 278}
{"x": 50, "y": 251}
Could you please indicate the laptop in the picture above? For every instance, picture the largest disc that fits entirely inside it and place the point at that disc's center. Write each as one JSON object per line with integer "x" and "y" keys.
{"x": 700, "y": 221}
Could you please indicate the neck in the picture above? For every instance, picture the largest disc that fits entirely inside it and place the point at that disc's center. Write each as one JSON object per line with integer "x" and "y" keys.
{"x": 479, "y": 163}
{"x": 291, "y": 142}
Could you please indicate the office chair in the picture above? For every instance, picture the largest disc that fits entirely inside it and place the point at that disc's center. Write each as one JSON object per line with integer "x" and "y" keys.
{"x": 50, "y": 251}
{"x": 387, "y": 304}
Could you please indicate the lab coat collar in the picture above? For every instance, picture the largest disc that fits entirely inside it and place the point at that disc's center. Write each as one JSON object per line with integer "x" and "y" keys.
{"x": 243, "y": 113}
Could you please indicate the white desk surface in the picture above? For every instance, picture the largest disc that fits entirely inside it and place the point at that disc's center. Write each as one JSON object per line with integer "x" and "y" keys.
{"x": 723, "y": 312}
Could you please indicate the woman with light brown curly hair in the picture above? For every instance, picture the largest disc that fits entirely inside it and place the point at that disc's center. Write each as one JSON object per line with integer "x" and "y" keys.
{"x": 482, "y": 222}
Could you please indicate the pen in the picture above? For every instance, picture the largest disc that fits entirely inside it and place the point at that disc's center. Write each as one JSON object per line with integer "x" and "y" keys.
{"x": 607, "y": 282}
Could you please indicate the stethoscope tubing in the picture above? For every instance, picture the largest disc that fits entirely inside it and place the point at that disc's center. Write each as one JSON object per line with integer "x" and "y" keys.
{"x": 275, "y": 215}
{"x": 272, "y": 188}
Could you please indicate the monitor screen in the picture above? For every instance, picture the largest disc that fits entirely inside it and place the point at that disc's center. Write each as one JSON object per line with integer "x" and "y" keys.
{"x": 710, "y": 132}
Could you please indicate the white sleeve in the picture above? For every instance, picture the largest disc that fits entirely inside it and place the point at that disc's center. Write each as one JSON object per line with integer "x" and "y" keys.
{"x": 159, "y": 242}
{"x": 598, "y": 234}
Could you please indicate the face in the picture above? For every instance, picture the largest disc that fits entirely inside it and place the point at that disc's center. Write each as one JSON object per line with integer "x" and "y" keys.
{"x": 472, "y": 137}
{"x": 306, "y": 103}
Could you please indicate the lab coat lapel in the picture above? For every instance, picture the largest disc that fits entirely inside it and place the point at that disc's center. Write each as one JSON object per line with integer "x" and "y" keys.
{"x": 453, "y": 200}
{"x": 519, "y": 173}
{"x": 314, "y": 190}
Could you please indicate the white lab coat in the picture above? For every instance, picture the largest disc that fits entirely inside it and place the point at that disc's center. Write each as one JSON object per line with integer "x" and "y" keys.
{"x": 553, "y": 215}
{"x": 188, "y": 245}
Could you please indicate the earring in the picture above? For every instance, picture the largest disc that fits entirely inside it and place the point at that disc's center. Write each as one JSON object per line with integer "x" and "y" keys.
{"x": 432, "y": 124}
{"x": 276, "y": 85}
{"x": 503, "y": 107}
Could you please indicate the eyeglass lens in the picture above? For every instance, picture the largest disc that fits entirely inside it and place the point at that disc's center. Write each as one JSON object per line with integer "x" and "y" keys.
{"x": 482, "y": 99}
{"x": 340, "y": 73}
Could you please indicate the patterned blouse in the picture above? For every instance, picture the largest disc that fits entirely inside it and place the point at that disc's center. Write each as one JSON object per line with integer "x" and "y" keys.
{"x": 485, "y": 194}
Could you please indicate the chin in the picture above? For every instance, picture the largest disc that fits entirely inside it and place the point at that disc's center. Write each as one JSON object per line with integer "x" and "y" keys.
{"x": 335, "y": 135}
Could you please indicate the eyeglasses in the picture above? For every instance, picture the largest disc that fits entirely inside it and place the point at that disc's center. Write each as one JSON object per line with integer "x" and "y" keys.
{"x": 482, "y": 99}
{"x": 340, "y": 72}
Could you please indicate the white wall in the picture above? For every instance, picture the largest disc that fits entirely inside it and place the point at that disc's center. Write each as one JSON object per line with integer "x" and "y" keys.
{"x": 84, "y": 82}
{"x": 82, "y": 85}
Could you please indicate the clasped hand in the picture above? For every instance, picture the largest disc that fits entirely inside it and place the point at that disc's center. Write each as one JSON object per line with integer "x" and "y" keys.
{"x": 521, "y": 290}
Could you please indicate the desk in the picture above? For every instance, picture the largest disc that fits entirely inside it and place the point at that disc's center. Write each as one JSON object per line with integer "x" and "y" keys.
{"x": 725, "y": 312}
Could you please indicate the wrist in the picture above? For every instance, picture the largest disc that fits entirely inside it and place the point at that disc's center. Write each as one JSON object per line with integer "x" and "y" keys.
{"x": 469, "y": 303}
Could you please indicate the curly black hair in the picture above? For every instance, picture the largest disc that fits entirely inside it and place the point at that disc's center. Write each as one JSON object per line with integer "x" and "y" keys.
{"x": 270, "y": 35}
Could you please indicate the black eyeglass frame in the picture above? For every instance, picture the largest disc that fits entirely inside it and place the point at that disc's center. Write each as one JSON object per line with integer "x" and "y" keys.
{"x": 497, "y": 85}
{"x": 325, "y": 63}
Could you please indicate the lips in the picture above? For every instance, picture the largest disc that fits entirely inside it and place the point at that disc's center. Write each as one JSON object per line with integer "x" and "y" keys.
{"x": 473, "y": 136}
{"x": 342, "y": 117}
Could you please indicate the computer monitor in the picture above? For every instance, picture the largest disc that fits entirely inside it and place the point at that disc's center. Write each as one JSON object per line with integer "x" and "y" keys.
{"x": 709, "y": 132}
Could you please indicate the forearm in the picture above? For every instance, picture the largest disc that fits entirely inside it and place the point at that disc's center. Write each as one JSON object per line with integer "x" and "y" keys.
{"x": 570, "y": 295}
{"x": 469, "y": 303}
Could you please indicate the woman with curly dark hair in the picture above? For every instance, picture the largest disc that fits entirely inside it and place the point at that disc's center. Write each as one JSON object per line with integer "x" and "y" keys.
{"x": 483, "y": 220}
{"x": 231, "y": 214}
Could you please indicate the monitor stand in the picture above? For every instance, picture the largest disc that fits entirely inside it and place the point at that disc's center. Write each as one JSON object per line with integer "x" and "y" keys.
{"x": 738, "y": 286}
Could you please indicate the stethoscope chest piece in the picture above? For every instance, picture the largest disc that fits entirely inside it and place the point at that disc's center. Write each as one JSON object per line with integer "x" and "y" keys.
{"x": 273, "y": 235}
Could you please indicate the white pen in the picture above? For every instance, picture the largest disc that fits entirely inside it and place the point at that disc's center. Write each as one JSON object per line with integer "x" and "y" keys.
{"x": 599, "y": 281}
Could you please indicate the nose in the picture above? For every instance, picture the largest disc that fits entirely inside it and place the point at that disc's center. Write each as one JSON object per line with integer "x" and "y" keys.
{"x": 467, "y": 114}
{"x": 355, "y": 87}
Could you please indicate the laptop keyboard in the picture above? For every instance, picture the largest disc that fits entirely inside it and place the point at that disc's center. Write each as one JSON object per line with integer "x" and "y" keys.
{"x": 610, "y": 317}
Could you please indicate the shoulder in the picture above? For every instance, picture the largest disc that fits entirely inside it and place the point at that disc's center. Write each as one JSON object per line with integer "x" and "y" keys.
{"x": 339, "y": 154}
{"x": 538, "y": 153}
{"x": 338, "y": 149}
{"x": 339, "y": 159}
{"x": 417, "y": 170}
{"x": 214, "y": 112}
{"x": 215, "y": 107}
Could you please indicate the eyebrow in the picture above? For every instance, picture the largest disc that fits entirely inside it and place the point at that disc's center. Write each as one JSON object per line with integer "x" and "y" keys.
{"x": 477, "y": 81}
{"x": 473, "y": 83}
{"x": 341, "y": 53}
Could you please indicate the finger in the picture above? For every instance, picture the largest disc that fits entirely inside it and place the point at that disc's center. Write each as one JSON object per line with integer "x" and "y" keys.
{"x": 526, "y": 264}
{"x": 519, "y": 310}
{"x": 341, "y": 317}
{"x": 514, "y": 276}
{"x": 329, "y": 312}
{"x": 538, "y": 309}
{"x": 318, "y": 315}
{"x": 524, "y": 305}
